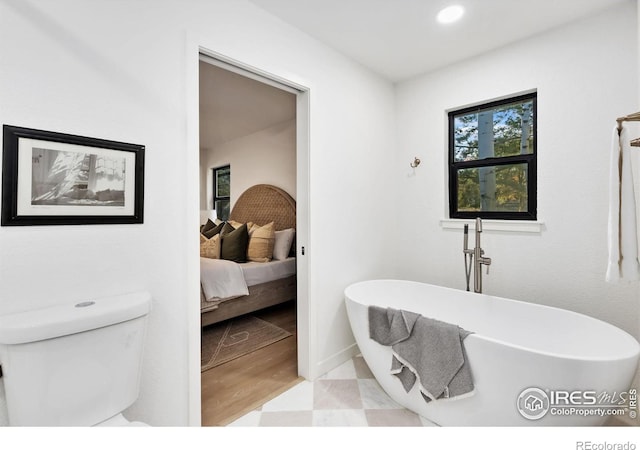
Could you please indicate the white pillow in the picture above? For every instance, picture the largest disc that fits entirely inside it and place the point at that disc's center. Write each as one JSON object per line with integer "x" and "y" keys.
{"x": 283, "y": 242}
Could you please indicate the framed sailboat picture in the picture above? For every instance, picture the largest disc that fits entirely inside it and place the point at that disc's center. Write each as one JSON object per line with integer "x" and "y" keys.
{"x": 53, "y": 178}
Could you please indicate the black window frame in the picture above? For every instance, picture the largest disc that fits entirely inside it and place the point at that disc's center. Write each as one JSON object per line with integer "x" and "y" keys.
{"x": 529, "y": 159}
{"x": 216, "y": 197}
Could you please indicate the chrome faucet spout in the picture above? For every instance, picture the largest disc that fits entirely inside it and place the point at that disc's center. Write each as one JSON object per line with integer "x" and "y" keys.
{"x": 477, "y": 254}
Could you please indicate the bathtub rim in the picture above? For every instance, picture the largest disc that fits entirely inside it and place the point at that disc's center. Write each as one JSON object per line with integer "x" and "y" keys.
{"x": 631, "y": 354}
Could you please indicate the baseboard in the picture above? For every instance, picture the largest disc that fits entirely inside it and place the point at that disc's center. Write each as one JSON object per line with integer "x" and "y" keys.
{"x": 336, "y": 360}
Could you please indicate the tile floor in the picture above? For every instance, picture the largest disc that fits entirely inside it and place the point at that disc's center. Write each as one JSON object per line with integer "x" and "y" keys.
{"x": 347, "y": 396}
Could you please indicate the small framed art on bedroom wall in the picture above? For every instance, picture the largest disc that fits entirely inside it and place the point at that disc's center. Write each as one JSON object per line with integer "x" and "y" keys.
{"x": 51, "y": 178}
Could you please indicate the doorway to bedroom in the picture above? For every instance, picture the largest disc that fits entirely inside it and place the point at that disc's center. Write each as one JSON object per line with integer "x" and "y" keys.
{"x": 249, "y": 351}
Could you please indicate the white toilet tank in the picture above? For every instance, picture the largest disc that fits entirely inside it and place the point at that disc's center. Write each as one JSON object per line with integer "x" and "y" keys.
{"x": 76, "y": 364}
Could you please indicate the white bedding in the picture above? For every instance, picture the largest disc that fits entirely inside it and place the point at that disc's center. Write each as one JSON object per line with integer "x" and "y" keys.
{"x": 258, "y": 273}
{"x": 222, "y": 279}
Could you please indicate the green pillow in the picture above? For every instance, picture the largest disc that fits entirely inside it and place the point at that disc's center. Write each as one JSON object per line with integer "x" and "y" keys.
{"x": 210, "y": 229}
{"x": 234, "y": 244}
{"x": 207, "y": 226}
{"x": 226, "y": 228}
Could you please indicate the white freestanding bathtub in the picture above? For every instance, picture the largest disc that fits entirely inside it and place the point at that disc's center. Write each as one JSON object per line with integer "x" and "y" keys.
{"x": 516, "y": 347}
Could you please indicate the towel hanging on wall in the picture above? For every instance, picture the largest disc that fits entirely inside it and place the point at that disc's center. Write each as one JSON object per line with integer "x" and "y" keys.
{"x": 623, "y": 262}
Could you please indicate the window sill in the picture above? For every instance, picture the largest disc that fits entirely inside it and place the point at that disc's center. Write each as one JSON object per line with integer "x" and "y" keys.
{"x": 512, "y": 226}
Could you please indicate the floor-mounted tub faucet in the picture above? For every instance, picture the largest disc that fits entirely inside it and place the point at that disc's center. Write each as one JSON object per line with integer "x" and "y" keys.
{"x": 475, "y": 257}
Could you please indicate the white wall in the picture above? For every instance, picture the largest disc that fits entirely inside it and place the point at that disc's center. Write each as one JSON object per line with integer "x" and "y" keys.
{"x": 586, "y": 76}
{"x": 267, "y": 156}
{"x": 118, "y": 70}
{"x": 90, "y": 68}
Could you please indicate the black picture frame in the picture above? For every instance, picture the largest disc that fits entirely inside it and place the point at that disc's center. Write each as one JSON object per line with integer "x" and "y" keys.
{"x": 51, "y": 178}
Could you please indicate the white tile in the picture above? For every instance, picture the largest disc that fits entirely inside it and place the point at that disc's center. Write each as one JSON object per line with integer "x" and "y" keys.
{"x": 345, "y": 371}
{"x": 301, "y": 398}
{"x": 374, "y": 397}
{"x": 339, "y": 418}
{"x": 251, "y": 419}
{"x": 426, "y": 422}
{"x": 298, "y": 398}
{"x": 392, "y": 418}
{"x": 286, "y": 419}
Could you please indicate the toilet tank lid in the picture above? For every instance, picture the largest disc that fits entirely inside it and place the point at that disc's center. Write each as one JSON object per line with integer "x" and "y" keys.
{"x": 76, "y": 317}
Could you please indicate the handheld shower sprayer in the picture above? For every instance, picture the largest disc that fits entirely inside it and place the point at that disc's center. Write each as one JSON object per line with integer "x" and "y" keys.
{"x": 466, "y": 236}
{"x": 468, "y": 255}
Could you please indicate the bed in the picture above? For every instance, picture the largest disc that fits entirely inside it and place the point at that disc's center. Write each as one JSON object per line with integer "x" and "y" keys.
{"x": 267, "y": 283}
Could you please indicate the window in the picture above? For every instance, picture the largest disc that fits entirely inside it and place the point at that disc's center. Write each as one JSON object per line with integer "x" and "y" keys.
{"x": 222, "y": 191}
{"x": 492, "y": 160}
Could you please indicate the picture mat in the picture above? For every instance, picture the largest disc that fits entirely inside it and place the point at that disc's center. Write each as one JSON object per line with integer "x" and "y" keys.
{"x": 24, "y": 194}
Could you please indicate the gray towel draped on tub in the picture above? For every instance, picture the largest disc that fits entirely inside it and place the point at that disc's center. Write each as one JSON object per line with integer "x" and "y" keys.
{"x": 424, "y": 349}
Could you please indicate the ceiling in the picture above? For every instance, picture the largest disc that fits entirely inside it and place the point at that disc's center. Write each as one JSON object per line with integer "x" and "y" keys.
{"x": 233, "y": 106}
{"x": 400, "y": 39}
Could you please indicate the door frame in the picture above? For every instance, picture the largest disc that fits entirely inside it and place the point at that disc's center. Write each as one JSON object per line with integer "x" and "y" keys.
{"x": 305, "y": 326}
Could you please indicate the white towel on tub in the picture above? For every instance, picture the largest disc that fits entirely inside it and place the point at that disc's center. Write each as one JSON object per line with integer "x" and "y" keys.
{"x": 425, "y": 350}
{"x": 622, "y": 264}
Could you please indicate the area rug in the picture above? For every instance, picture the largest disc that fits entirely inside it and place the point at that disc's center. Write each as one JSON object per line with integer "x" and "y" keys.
{"x": 237, "y": 337}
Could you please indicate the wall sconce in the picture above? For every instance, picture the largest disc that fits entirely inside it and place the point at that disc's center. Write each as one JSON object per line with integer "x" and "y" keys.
{"x": 416, "y": 162}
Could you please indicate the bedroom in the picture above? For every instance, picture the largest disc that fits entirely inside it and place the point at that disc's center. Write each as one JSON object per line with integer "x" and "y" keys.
{"x": 247, "y": 157}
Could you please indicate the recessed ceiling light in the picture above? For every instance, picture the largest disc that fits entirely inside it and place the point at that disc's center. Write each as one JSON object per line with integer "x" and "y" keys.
{"x": 450, "y": 14}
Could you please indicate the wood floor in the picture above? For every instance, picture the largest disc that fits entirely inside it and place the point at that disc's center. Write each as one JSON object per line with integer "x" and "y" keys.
{"x": 233, "y": 389}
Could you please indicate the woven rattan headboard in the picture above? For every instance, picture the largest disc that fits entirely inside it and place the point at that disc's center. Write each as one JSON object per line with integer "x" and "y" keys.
{"x": 264, "y": 203}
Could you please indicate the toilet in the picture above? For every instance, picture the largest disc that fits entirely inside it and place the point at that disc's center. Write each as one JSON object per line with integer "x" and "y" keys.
{"x": 74, "y": 364}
